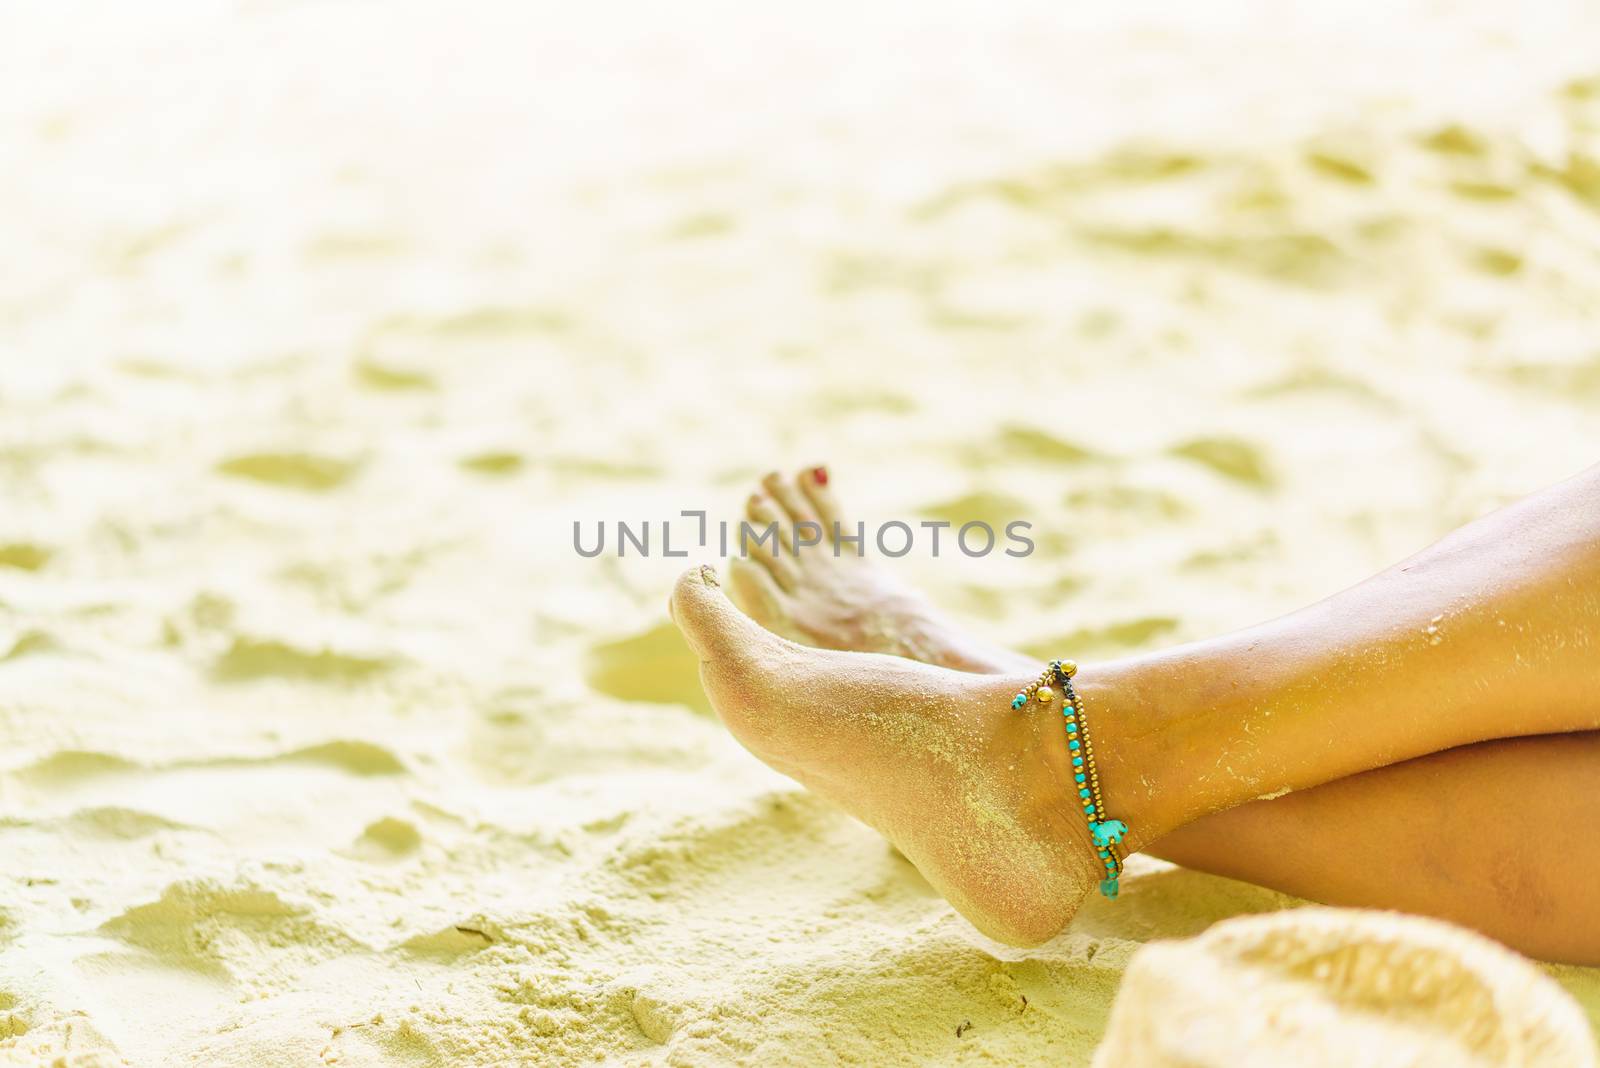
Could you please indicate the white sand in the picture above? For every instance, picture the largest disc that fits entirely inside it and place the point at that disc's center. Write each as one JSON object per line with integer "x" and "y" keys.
{"x": 320, "y": 324}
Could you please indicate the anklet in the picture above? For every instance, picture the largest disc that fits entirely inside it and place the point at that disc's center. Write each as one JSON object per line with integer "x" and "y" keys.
{"x": 1107, "y": 833}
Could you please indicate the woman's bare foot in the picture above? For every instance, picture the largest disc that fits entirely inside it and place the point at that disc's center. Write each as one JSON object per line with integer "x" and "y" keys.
{"x": 972, "y": 793}
{"x": 812, "y": 595}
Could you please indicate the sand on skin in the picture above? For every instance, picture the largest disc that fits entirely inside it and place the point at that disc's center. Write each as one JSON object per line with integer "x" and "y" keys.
{"x": 318, "y": 329}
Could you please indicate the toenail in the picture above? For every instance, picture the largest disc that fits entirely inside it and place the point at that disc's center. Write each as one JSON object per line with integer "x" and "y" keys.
{"x": 708, "y": 575}
{"x": 820, "y": 475}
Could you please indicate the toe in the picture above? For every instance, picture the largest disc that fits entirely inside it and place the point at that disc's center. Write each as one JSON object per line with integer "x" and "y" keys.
{"x": 756, "y": 592}
{"x": 713, "y": 627}
{"x": 764, "y": 512}
{"x": 808, "y": 527}
{"x": 789, "y": 497}
{"x": 815, "y": 487}
{"x": 776, "y": 552}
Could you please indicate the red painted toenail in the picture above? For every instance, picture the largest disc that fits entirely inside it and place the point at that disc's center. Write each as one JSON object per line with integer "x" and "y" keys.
{"x": 820, "y": 474}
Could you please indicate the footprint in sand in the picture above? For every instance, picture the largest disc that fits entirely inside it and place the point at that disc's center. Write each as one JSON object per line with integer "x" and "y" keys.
{"x": 1455, "y": 140}
{"x": 31, "y": 643}
{"x": 68, "y": 767}
{"x": 212, "y": 928}
{"x": 991, "y": 507}
{"x": 1026, "y": 443}
{"x": 450, "y": 943}
{"x": 291, "y": 470}
{"x": 1496, "y": 261}
{"x": 1483, "y": 189}
{"x": 1340, "y": 165}
{"x": 25, "y": 555}
{"x": 1233, "y": 458}
{"x": 259, "y": 658}
{"x": 115, "y": 823}
{"x": 386, "y": 378}
{"x": 493, "y": 462}
{"x": 654, "y": 665}
{"x": 387, "y": 841}
{"x": 77, "y": 769}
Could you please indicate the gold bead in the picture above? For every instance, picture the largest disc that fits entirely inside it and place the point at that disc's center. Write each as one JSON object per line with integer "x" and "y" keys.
{"x": 1069, "y": 667}
{"x": 1045, "y": 695}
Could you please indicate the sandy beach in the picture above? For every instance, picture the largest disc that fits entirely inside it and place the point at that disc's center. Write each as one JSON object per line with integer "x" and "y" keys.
{"x": 322, "y": 324}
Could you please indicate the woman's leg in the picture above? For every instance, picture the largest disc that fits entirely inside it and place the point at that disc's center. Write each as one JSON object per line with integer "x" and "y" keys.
{"x": 1470, "y": 861}
{"x": 1500, "y": 836}
{"x": 1493, "y": 632}
{"x": 1485, "y": 635}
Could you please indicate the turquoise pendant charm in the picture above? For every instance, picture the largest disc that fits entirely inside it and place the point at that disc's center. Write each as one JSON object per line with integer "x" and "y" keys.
{"x": 1107, "y": 834}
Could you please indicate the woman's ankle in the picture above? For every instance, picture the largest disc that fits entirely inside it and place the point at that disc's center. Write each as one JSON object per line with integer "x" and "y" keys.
{"x": 1155, "y": 775}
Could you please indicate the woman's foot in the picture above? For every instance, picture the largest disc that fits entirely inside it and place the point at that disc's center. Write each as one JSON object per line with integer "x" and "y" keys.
{"x": 810, "y": 594}
{"x": 972, "y": 792}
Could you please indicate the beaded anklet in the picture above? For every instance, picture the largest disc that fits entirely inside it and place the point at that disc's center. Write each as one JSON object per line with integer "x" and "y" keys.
{"x": 1107, "y": 833}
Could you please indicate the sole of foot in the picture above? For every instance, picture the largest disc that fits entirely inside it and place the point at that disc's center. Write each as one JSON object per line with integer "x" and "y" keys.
{"x": 936, "y": 760}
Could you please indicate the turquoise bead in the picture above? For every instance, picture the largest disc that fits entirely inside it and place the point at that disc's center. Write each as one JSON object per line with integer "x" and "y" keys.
{"x": 1088, "y": 810}
{"x": 1077, "y": 762}
{"x": 1108, "y": 887}
{"x": 1083, "y": 792}
{"x": 1079, "y": 776}
{"x": 1070, "y": 745}
{"x": 1108, "y": 831}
